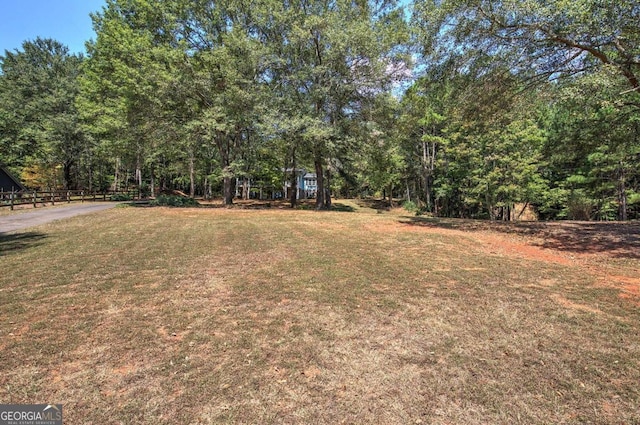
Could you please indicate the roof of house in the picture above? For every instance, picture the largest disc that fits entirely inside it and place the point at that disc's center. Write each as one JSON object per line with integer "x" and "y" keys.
{"x": 298, "y": 170}
{"x": 8, "y": 182}
{"x": 310, "y": 176}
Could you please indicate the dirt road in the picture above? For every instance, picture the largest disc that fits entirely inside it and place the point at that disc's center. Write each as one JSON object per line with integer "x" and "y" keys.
{"x": 36, "y": 217}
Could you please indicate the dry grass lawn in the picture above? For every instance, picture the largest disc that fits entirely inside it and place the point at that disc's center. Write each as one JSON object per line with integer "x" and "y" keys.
{"x": 274, "y": 316}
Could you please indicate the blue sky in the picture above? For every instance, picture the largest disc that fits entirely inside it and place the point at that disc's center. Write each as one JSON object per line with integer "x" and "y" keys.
{"x": 67, "y": 21}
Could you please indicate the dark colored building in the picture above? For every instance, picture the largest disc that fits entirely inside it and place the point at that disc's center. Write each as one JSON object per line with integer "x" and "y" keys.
{"x": 8, "y": 182}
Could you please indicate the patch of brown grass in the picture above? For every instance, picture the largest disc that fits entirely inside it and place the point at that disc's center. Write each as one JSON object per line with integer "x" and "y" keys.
{"x": 202, "y": 316}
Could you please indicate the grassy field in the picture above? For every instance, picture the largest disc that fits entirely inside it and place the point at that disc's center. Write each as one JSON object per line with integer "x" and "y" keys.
{"x": 211, "y": 315}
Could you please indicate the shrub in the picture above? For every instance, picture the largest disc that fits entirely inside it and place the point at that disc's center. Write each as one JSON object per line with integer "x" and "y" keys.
{"x": 410, "y": 206}
{"x": 579, "y": 207}
{"x": 415, "y": 208}
{"x": 145, "y": 191}
{"x": 174, "y": 201}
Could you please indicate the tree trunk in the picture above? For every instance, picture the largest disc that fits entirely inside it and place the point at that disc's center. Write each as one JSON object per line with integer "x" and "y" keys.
{"x": 427, "y": 191}
{"x": 126, "y": 180}
{"x": 152, "y": 185}
{"x": 526, "y": 204}
{"x": 192, "y": 176}
{"x": 492, "y": 212}
{"x": 293, "y": 199}
{"x": 228, "y": 187}
{"x": 246, "y": 189}
{"x": 428, "y": 166}
{"x": 293, "y": 183}
{"x": 327, "y": 191}
{"x": 506, "y": 215}
{"x": 490, "y": 205}
{"x": 67, "y": 183}
{"x": 138, "y": 171}
{"x": 116, "y": 175}
{"x": 90, "y": 176}
{"x": 622, "y": 196}
{"x": 320, "y": 195}
{"x": 425, "y": 167}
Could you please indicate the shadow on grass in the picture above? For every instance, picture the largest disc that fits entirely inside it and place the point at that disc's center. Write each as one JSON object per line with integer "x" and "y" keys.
{"x": 211, "y": 205}
{"x": 245, "y": 205}
{"x": 617, "y": 239}
{"x": 375, "y": 204}
{"x": 337, "y": 206}
{"x": 135, "y": 204}
{"x": 18, "y": 241}
{"x": 248, "y": 205}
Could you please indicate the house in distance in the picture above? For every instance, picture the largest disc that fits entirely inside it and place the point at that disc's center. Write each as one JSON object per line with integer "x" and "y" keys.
{"x": 307, "y": 184}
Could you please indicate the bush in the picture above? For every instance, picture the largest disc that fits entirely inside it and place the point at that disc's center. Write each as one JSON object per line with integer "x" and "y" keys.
{"x": 412, "y": 207}
{"x": 174, "y": 201}
{"x": 579, "y": 207}
{"x": 145, "y": 191}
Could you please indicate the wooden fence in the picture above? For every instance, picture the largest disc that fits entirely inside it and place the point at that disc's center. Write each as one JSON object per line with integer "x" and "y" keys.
{"x": 42, "y": 198}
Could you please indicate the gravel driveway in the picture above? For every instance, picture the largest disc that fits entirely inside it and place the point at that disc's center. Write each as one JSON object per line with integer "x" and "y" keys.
{"x": 12, "y": 222}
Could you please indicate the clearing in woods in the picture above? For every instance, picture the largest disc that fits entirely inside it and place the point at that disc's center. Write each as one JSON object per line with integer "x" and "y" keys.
{"x": 212, "y": 315}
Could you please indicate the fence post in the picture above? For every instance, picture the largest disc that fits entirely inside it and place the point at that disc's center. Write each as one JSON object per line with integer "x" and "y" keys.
{"x": 11, "y": 199}
{"x": 53, "y": 197}
{"x": 35, "y": 198}
{"x": 82, "y": 196}
{"x": 104, "y": 195}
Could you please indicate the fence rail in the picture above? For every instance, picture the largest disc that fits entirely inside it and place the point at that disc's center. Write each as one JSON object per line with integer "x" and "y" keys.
{"x": 42, "y": 198}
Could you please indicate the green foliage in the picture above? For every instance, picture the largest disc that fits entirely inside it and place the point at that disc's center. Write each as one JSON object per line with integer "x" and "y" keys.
{"x": 381, "y": 163}
{"x": 579, "y": 206}
{"x": 192, "y": 95}
{"x": 593, "y": 145}
{"x": 475, "y": 149}
{"x": 412, "y": 207}
{"x": 539, "y": 39}
{"x": 575, "y": 157}
{"x": 39, "y": 127}
{"x": 174, "y": 201}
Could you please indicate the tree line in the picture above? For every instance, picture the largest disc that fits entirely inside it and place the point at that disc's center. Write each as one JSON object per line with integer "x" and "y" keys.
{"x": 465, "y": 108}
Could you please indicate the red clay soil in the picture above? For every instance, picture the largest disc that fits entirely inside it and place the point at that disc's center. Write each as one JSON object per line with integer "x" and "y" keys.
{"x": 608, "y": 251}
